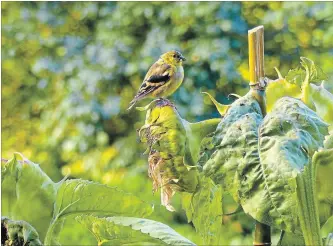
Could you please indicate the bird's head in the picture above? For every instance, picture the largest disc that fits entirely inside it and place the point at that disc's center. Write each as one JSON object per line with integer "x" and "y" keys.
{"x": 173, "y": 57}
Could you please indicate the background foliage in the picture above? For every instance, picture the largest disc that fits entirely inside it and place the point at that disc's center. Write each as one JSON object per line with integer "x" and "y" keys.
{"x": 69, "y": 71}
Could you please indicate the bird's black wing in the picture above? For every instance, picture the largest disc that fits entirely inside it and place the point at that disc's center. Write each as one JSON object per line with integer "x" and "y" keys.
{"x": 158, "y": 78}
{"x": 158, "y": 73}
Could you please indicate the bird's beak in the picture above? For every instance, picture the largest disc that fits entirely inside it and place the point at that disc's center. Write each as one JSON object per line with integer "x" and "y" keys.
{"x": 183, "y": 58}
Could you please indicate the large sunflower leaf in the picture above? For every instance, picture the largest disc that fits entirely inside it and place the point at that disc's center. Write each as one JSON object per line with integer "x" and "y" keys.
{"x": 323, "y": 102}
{"x": 289, "y": 135}
{"x": 204, "y": 209}
{"x": 258, "y": 162}
{"x": 27, "y": 193}
{"x": 77, "y": 196}
{"x": 281, "y": 88}
{"x": 234, "y": 144}
{"x": 131, "y": 231}
{"x": 81, "y": 196}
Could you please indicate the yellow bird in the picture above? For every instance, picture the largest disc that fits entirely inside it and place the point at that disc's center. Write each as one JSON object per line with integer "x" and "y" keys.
{"x": 163, "y": 77}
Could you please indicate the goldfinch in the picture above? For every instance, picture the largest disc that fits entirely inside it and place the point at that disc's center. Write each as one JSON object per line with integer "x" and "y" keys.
{"x": 163, "y": 77}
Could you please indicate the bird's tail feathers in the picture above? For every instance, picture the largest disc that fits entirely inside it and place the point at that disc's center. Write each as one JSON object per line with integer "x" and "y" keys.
{"x": 141, "y": 94}
{"x": 132, "y": 103}
{"x": 137, "y": 98}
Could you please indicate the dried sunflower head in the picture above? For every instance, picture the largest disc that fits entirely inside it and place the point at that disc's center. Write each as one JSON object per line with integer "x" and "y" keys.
{"x": 167, "y": 141}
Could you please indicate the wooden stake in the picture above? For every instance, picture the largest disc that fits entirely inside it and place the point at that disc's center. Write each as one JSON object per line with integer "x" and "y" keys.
{"x": 256, "y": 66}
{"x": 256, "y": 56}
{"x": 262, "y": 234}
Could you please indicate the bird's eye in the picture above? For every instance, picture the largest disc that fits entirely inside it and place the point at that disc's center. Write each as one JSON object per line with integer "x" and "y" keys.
{"x": 174, "y": 56}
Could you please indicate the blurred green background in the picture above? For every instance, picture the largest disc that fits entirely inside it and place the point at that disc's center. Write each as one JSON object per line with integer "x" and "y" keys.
{"x": 69, "y": 70}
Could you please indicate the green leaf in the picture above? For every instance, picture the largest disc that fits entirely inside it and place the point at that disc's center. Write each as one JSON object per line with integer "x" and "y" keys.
{"x": 289, "y": 136}
{"x": 303, "y": 76}
{"x": 323, "y": 159}
{"x": 312, "y": 74}
{"x": 77, "y": 196}
{"x": 148, "y": 106}
{"x": 131, "y": 231}
{"x": 258, "y": 162}
{"x": 316, "y": 74}
{"x": 278, "y": 89}
{"x": 18, "y": 233}
{"x": 296, "y": 76}
{"x": 204, "y": 209}
{"x": 323, "y": 102}
{"x": 27, "y": 193}
{"x": 219, "y": 106}
{"x": 309, "y": 72}
{"x": 235, "y": 144}
{"x": 81, "y": 196}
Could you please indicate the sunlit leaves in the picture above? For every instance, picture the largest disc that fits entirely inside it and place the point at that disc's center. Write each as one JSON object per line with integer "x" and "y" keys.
{"x": 27, "y": 193}
{"x": 278, "y": 89}
{"x": 237, "y": 128}
{"x": 69, "y": 70}
{"x": 76, "y": 197}
{"x": 130, "y": 230}
{"x": 204, "y": 209}
{"x": 300, "y": 83}
{"x": 257, "y": 161}
{"x": 323, "y": 102}
{"x": 289, "y": 135}
{"x": 309, "y": 71}
{"x": 30, "y": 195}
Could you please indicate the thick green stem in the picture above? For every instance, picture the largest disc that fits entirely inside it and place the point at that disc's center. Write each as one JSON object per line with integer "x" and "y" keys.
{"x": 307, "y": 206}
{"x": 260, "y": 96}
{"x": 262, "y": 234}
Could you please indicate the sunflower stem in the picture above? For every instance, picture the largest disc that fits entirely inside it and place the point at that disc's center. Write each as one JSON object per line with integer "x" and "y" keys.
{"x": 262, "y": 234}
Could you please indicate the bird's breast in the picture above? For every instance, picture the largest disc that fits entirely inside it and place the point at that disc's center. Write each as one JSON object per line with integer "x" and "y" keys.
{"x": 172, "y": 85}
{"x": 179, "y": 75}
{"x": 176, "y": 81}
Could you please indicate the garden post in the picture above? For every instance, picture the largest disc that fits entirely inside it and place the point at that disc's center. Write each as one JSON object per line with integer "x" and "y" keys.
{"x": 262, "y": 235}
